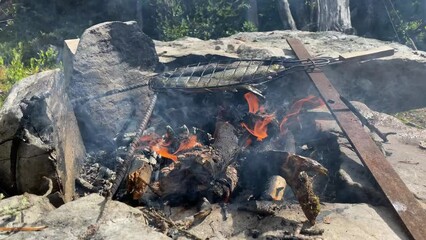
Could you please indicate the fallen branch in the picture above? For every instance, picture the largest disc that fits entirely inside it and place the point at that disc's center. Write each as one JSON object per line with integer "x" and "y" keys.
{"x": 21, "y": 229}
{"x": 50, "y": 186}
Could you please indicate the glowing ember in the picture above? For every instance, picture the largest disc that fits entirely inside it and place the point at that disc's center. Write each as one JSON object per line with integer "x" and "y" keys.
{"x": 252, "y": 101}
{"x": 248, "y": 142}
{"x": 189, "y": 143}
{"x": 260, "y": 127}
{"x": 297, "y": 107}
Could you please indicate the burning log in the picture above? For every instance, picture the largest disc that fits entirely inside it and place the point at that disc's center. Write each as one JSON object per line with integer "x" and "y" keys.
{"x": 138, "y": 181}
{"x": 191, "y": 175}
{"x": 204, "y": 171}
{"x": 293, "y": 168}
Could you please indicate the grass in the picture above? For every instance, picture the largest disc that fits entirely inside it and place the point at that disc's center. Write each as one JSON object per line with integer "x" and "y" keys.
{"x": 415, "y": 118}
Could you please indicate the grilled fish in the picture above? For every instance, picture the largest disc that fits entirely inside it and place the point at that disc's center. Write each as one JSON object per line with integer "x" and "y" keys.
{"x": 218, "y": 76}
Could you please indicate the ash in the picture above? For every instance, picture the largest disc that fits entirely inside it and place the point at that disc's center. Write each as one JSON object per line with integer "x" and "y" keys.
{"x": 94, "y": 176}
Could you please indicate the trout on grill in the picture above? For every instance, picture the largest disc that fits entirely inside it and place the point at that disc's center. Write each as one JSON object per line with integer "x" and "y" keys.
{"x": 218, "y": 76}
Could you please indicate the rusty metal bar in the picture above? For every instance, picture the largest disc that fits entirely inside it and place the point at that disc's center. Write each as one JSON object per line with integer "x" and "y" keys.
{"x": 123, "y": 170}
{"x": 401, "y": 198}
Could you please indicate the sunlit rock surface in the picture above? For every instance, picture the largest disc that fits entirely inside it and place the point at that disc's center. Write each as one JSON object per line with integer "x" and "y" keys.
{"x": 91, "y": 218}
{"x": 39, "y": 137}
{"x": 109, "y": 56}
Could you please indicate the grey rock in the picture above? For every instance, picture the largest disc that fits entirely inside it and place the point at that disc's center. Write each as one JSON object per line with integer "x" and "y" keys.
{"x": 354, "y": 184}
{"x": 109, "y": 56}
{"x": 357, "y": 184}
{"x": 339, "y": 221}
{"x": 70, "y": 48}
{"x": 91, "y": 217}
{"x": 22, "y": 210}
{"x": 39, "y": 137}
{"x": 249, "y": 52}
{"x": 405, "y": 155}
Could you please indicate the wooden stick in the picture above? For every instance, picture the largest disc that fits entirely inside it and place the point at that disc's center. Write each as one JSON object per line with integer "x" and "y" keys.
{"x": 21, "y": 229}
{"x": 368, "y": 54}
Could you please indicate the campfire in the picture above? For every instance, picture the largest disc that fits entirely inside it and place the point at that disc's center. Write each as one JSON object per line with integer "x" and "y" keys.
{"x": 227, "y": 147}
{"x": 241, "y": 144}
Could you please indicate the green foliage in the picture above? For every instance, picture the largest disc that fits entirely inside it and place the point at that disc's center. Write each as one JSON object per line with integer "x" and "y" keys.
{"x": 173, "y": 23}
{"x": 409, "y": 21}
{"x": 249, "y": 27}
{"x": 198, "y": 18}
{"x": 2, "y": 72}
{"x": 45, "y": 60}
{"x": 16, "y": 69}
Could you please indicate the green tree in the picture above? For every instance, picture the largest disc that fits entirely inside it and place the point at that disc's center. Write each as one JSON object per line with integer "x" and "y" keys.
{"x": 203, "y": 19}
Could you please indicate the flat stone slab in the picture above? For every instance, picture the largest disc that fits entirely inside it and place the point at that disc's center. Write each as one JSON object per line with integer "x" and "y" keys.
{"x": 339, "y": 221}
{"x": 91, "y": 217}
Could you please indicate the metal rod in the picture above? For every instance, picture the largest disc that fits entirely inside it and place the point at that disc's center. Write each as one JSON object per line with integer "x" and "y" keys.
{"x": 211, "y": 74}
{"x": 365, "y": 122}
{"x": 80, "y": 101}
{"x": 122, "y": 172}
{"x": 400, "y": 197}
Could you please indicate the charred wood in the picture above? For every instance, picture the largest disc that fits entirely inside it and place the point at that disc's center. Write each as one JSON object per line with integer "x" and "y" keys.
{"x": 293, "y": 168}
{"x": 139, "y": 180}
{"x": 226, "y": 142}
{"x": 203, "y": 171}
{"x": 303, "y": 189}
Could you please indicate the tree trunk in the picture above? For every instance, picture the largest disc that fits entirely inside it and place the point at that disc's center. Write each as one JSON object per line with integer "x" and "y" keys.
{"x": 285, "y": 15}
{"x": 139, "y": 15}
{"x": 334, "y": 15}
{"x": 424, "y": 10}
{"x": 302, "y": 14}
{"x": 252, "y": 13}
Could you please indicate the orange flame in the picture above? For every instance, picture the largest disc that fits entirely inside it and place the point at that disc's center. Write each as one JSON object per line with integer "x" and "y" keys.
{"x": 260, "y": 127}
{"x": 159, "y": 145}
{"x": 297, "y": 107}
{"x": 189, "y": 143}
{"x": 164, "y": 152}
{"x": 252, "y": 101}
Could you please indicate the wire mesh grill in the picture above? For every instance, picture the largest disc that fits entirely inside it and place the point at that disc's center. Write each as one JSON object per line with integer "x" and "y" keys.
{"x": 231, "y": 73}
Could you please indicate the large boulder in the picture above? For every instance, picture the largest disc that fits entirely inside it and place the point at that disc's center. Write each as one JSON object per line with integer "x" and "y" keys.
{"x": 40, "y": 143}
{"x": 91, "y": 217}
{"x": 110, "y": 56}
